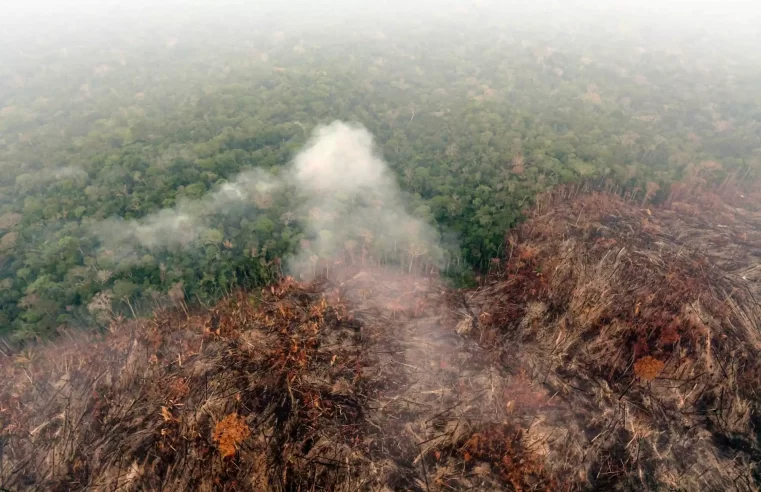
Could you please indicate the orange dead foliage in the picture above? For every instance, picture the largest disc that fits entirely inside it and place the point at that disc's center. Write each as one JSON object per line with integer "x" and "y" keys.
{"x": 229, "y": 433}
{"x": 502, "y": 446}
{"x": 166, "y": 414}
{"x": 648, "y": 368}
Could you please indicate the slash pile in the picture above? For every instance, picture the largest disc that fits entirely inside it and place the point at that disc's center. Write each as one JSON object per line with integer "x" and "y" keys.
{"x": 254, "y": 391}
{"x": 360, "y": 383}
{"x": 643, "y": 327}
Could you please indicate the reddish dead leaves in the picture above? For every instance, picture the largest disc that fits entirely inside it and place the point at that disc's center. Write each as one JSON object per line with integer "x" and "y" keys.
{"x": 229, "y": 433}
{"x": 502, "y": 447}
{"x": 648, "y": 368}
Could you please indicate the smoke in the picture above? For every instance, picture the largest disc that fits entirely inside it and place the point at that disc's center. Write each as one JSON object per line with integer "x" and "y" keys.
{"x": 347, "y": 203}
{"x": 188, "y": 225}
{"x": 353, "y": 206}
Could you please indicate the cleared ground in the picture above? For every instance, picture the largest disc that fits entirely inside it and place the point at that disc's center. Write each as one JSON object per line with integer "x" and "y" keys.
{"x": 617, "y": 347}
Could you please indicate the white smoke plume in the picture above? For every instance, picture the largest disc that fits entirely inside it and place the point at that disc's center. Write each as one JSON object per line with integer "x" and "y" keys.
{"x": 189, "y": 224}
{"x": 349, "y": 208}
{"x": 352, "y": 204}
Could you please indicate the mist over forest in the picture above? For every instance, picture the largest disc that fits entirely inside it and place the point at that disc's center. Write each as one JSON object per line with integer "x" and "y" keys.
{"x": 120, "y": 114}
{"x": 415, "y": 245}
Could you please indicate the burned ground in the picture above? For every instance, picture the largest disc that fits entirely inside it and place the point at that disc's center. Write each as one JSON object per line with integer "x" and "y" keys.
{"x": 360, "y": 383}
{"x": 643, "y": 327}
{"x": 615, "y": 347}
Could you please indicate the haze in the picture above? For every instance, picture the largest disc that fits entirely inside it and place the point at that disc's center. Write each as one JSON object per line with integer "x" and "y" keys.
{"x": 731, "y": 19}
{"x": 131, "y": 130}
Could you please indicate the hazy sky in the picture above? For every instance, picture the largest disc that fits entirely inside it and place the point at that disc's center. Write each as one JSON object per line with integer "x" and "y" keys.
{"x": 729, "y": 25}
{"x": 741, "y": 12}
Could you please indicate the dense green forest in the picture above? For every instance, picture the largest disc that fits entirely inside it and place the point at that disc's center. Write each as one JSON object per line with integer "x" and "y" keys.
{"x": 474, "y": 114}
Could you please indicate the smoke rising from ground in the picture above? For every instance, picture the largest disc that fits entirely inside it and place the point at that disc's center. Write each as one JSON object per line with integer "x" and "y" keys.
{"x": 352, "y": 203}
{"x": 347, "y": 202}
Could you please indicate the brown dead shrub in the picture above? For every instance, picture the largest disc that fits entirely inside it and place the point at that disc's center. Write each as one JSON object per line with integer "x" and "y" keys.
{"x": 648, "y": 368}
{"x": 229, "y": 433}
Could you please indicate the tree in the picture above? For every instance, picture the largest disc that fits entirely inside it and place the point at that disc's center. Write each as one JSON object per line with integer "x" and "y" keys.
{"x": 125, "y": 290}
